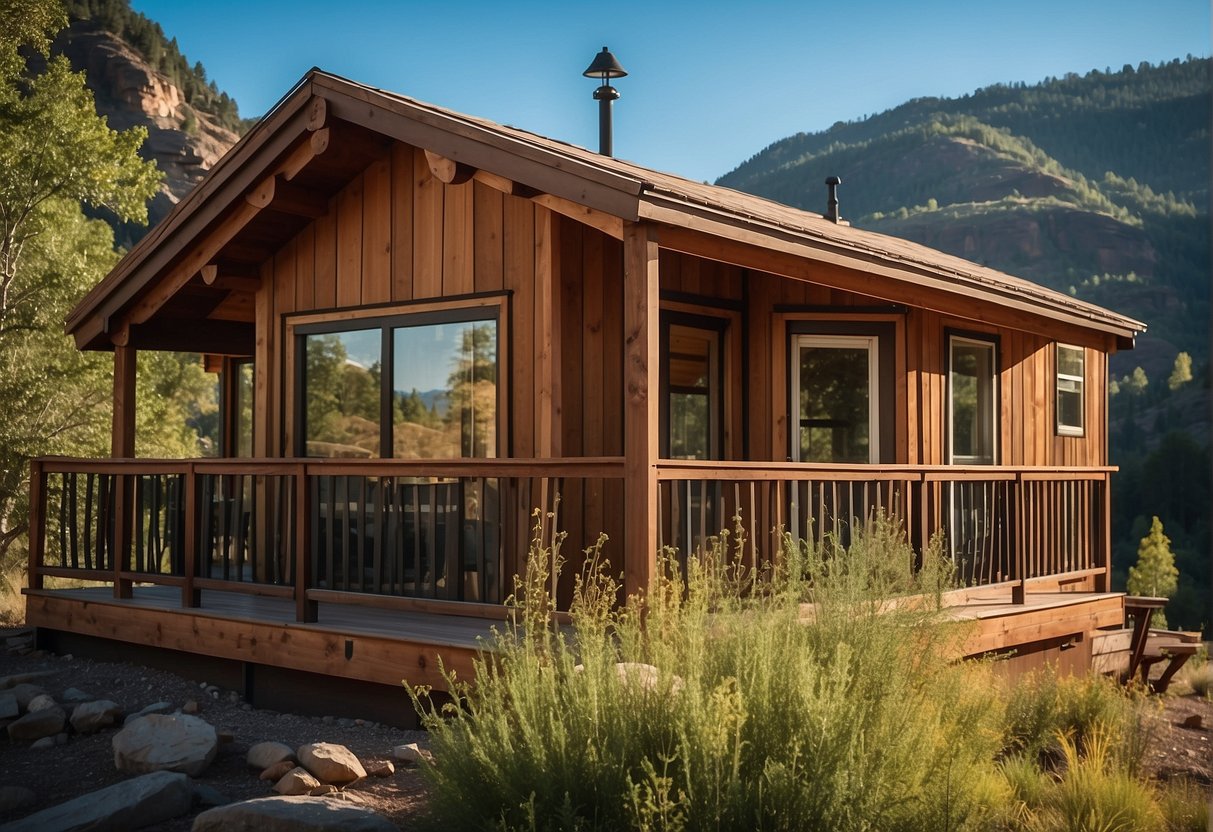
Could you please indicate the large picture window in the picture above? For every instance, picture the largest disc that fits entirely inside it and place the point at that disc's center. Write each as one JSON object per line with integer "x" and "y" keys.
{"x": 419, "y": 386}
{"x": 1071, "y": 378}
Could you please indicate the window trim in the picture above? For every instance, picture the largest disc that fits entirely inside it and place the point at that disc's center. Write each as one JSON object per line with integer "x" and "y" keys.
{"x": 981, "y": 339}
{"x": 485, "y": 307}
{"x": 1061, "y": 428}
{"x": 869, "y": 342}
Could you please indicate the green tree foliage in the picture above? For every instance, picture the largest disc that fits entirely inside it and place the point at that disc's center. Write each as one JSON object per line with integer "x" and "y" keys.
{"x": 1181, "y": 373}
{"x": 1155, "y": 574}
{"x": 55, "y": 154}
{"x": 1135, "y": 383}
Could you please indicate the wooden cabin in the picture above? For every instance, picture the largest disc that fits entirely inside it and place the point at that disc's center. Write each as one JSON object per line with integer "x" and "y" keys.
{"x": 428, "y": 325}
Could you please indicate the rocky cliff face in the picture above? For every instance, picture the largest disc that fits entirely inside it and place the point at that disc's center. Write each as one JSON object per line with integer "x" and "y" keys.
{"x": 183, "y": 142}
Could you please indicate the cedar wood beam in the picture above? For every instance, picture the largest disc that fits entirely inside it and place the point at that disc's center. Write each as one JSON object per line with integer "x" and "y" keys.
{"x": 641, "y": 300}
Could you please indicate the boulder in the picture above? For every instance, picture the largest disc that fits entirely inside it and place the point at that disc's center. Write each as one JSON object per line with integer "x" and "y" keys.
{"x": 296, "y": 781}
{"x": 131, "y": 804}
{"x": 274, "y": 773}
{"x": 14, "y": 798}
{"x": 154, "y": 708}
{"x": 331, "y": 763}
{"x": 14, "y": 679}
{"x": 76, "y": 695}
{"x": 208, "y": 796}
{"x": 160, "y": 742}
{"x": 9, "y": 709}
{"x": 411, "y": 754}
{"x": 26, "y": 693}
{"x": 380, "y": 768}
{"x": 265, "y": 754}
{"x": 41, "y": 702}
{"x": 38, "y": 724}
{"x": 291, "y": 814}
{"x": 43, "y": 744}
{"x": 93, "y": 716}
{"x": 322, "y": 790}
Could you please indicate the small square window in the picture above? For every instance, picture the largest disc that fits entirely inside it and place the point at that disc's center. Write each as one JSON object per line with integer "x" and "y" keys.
{"x": 1071, "y": 374}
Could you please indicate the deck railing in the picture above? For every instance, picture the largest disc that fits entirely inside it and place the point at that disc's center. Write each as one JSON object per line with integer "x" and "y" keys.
{"x": 1000, "y": 525}
{"x": 393, "y": 533}
{"x": 426, "y": 532}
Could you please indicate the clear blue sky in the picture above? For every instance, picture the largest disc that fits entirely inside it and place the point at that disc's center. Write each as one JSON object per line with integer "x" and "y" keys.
{"x": 710, "y": 84}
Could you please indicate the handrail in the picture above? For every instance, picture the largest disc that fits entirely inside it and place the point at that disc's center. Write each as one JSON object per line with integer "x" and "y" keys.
{"x": 671, "y": 469}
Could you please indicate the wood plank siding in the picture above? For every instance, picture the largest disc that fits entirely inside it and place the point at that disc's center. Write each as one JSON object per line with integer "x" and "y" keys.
{"x": 396, "y": 236}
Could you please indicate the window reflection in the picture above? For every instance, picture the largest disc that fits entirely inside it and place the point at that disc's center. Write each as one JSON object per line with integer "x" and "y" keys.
{"x": 444, "y": 390}
{"x": 835, "y": 395}
{"x": 423, "y": 390}
{"x": 692, "y": 356}
{"x": 972, "y": 388}
{"x": 342, "y": 393}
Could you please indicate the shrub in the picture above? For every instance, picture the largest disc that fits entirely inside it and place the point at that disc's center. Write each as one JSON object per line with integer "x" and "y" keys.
{"x": 726, "y": 709}
{"x": 1094, "y": 794}
{"x": 1043, "y": 707}
{"x": 1185, "y": 806}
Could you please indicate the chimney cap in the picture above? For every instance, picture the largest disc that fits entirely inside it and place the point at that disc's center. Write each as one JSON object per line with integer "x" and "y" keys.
{"x": 604, "y": 66}
{"x": 833, "y": 180}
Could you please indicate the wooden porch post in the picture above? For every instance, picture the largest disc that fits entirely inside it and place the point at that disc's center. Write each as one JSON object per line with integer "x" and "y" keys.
{"x": 122, "y": 446}
{"x": 37, "y": 522}
{"x": 640, "y": 405}
{"x": 1103, "y": 583}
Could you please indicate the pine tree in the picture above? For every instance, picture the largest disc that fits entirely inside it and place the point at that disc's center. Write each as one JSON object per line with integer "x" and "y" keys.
{"x": 1155, "y": 574}
{"x": 1181, "y": 373}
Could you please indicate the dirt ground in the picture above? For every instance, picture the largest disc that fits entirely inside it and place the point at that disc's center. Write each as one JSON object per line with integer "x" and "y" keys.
{"x": 1180, "y": 739}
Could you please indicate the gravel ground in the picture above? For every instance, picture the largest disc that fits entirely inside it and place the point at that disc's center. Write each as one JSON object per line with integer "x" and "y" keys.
{"x": 1180, "y": 744}
{"x": 86, "y": 762}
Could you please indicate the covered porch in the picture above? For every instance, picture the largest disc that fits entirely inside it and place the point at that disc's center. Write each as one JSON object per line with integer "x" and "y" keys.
{"x": 372, "y": 570}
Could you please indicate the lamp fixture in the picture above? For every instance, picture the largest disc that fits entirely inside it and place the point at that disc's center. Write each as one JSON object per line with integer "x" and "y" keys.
{"x": 605, "y": 67}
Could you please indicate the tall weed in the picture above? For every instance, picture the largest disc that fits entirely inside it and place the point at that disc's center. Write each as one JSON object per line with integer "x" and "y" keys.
{"x": 720, "y": 702}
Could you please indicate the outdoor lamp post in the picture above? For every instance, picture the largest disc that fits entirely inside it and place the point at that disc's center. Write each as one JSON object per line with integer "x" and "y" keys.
{"x": 605, "y": 67}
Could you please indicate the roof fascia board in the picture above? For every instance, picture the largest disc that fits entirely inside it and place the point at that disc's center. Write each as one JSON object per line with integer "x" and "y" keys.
{"x": 543, "y": 170}
{"x": 802, "y": 262}
{"x": 191, "y": 222}
{"x": 813, "y": 248}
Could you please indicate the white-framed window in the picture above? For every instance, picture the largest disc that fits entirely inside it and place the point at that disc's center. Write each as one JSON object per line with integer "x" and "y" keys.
{"x": 972, "y": 400}
{"x": 835, "y": 398}
{"x": 1071, "y": 381}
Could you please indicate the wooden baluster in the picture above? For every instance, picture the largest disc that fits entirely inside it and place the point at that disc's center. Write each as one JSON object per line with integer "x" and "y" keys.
{"x": 90, "y": 561}
{"x": 73, "y": 514}
{"x": 1019, "y": 541}
{"x": 306, "y": 610}
{"x": 190, "y": 597}
{"x": 64, "y": 546}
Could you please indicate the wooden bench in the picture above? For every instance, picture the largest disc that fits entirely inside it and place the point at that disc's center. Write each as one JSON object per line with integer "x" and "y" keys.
{"x": 1172, "y": 646}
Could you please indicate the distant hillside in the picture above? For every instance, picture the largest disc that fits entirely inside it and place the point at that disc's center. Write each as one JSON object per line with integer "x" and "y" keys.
{"x": 139, "y": 77}
{"x": 1097, "y": 185}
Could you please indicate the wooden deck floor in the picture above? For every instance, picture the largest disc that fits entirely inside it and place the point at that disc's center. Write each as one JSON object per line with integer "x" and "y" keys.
{"x": 366, "y": 643}
{"x": 390, "y": 646}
